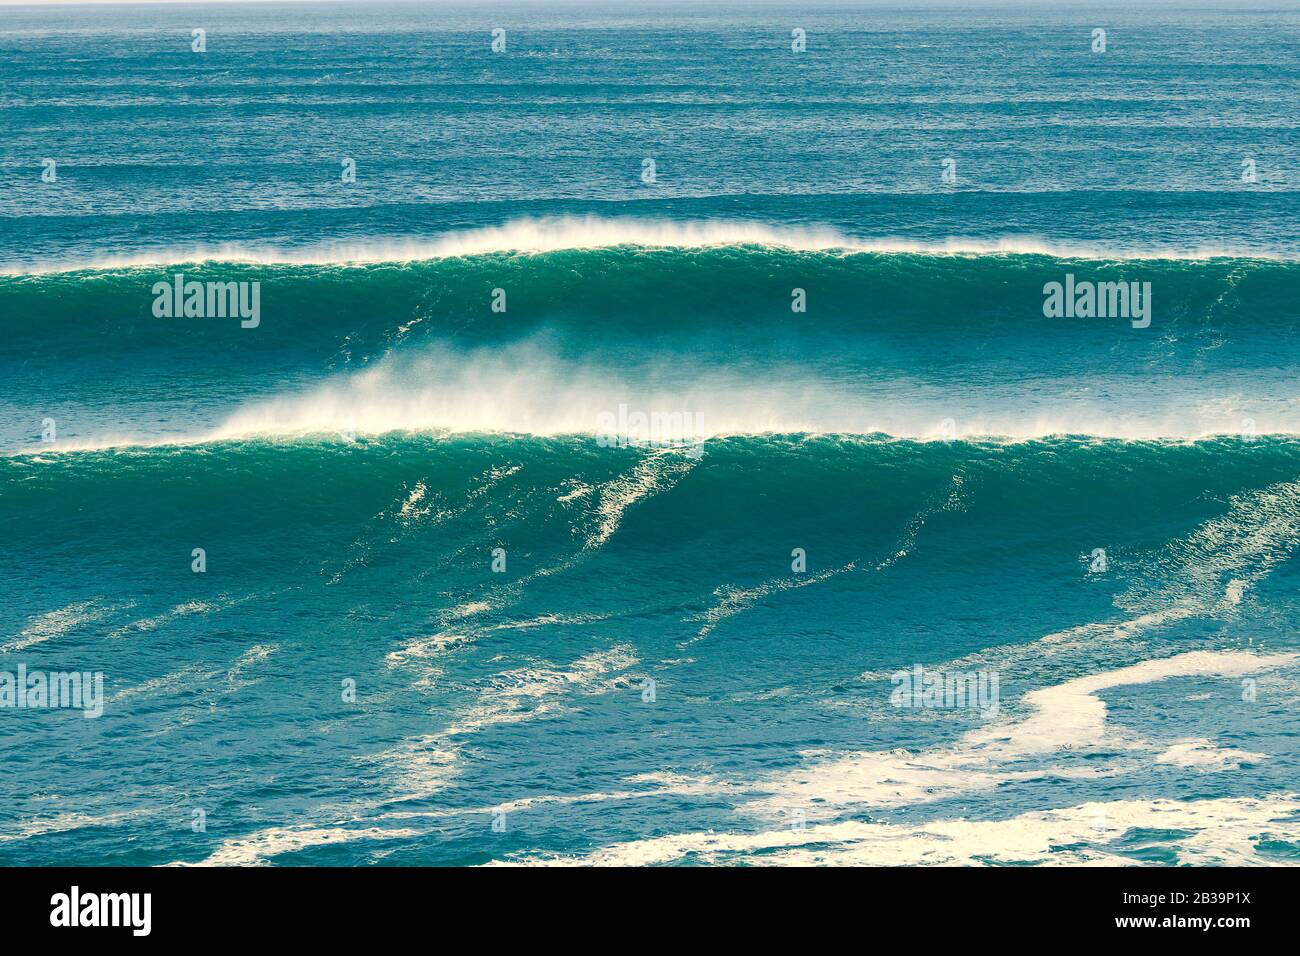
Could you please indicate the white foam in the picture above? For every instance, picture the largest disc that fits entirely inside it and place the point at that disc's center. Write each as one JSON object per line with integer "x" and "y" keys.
{"x": 261, "y": 846}
{"x": 184, "y": 678}
{"x": 1201, "y": 754}
{"x": 68, "y": 822}
{"x": 653, "y": 475}
{"x": 1072, "y": 715}
{"x": 235, "y": 679}
{"x": 1223, "y": 832}
{"x": 52, "y": 624}
{"x": 1063, "y": 717}
{"x": 1256, "y": 533}
{"x": 152, "y": 623}
{"x": 426, "y": 763}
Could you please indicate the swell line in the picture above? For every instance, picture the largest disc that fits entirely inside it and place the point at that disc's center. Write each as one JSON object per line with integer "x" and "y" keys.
{"x": 558, "y": 233}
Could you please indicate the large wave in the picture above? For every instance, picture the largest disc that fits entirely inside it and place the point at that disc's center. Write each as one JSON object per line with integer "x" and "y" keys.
{"x": 744, "y": 338}
{"x": 559, "y": 233}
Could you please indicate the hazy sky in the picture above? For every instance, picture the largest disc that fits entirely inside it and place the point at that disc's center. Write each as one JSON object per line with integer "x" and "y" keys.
{"x": 903, "y": 4}
{"x": 900, "y": 4}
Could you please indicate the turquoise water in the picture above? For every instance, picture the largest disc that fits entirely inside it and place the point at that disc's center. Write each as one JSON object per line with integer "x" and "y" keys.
{"x": 443, "y": 617}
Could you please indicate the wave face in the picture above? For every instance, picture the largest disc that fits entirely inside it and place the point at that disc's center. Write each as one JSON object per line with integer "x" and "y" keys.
{"x": 532, "y": 512}
{"x": 739, "y": 338}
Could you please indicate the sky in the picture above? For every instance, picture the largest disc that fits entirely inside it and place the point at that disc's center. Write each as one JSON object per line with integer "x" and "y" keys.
{"x": 903, "y": 4}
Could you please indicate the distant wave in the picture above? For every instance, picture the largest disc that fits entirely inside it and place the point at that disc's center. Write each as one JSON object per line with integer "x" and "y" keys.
{"x": 556, "y": 233}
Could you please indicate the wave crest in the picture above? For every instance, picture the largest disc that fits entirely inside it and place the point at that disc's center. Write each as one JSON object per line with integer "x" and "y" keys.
{"x": 557, "y": 233}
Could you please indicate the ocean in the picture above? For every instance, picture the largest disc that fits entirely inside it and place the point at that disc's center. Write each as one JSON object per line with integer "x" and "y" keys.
{"x": 649, "y": 433}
